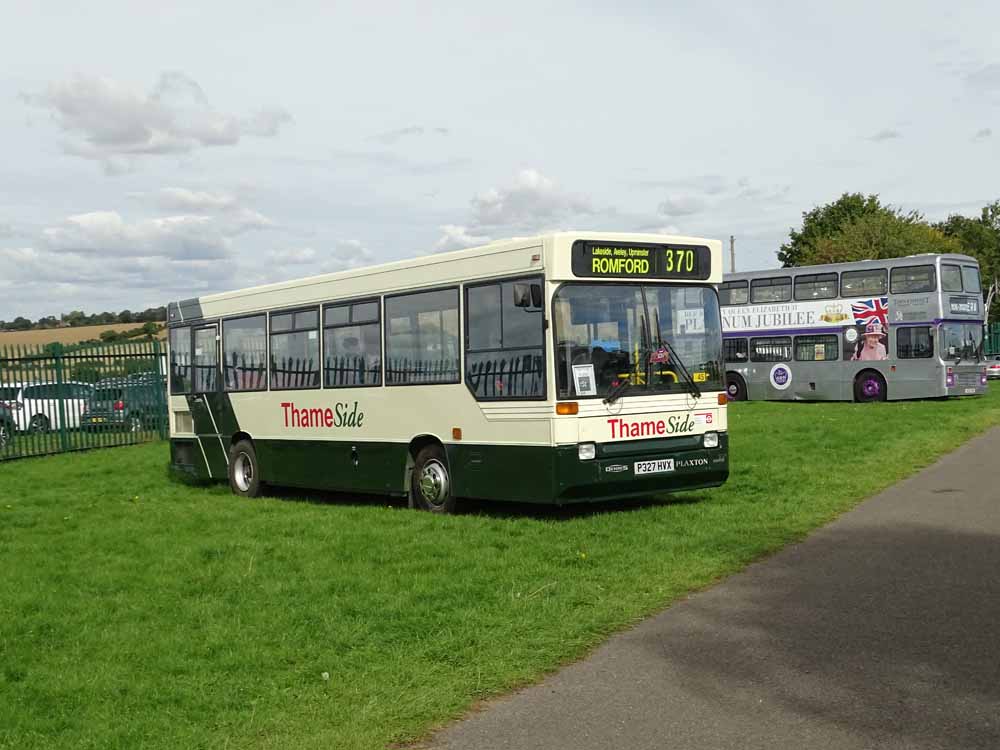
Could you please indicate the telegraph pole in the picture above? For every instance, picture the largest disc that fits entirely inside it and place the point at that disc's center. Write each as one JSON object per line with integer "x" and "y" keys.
{"x": 732, "y": 254}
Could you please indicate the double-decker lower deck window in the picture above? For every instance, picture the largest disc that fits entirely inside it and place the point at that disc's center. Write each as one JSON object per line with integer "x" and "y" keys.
{"x": 244, "y": 353}
{"x": 914, "y": 342}
{"x": 180, "y": 360}
{"x": 771, "y": 349}
{"x": 504, "y": 340}
{"x": 735, "y": 350}
{"x": 421, "y": 339}
{"x": 824, "y": 348}
{"x": 295, "y": 349}
{"x": 352, "y": 345}
{"x": 777, "y": 289}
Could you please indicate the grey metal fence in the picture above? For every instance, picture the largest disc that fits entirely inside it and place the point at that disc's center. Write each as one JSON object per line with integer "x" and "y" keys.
{"x": 56, "y": 398}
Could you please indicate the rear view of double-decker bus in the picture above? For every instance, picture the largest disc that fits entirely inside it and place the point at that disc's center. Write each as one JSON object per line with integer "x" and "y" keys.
{"x": 563, "y": 368}
{"x": 898, "y": 328}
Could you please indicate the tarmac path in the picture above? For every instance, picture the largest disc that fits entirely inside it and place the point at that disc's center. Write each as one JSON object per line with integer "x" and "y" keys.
{"x": 880, "y": 630}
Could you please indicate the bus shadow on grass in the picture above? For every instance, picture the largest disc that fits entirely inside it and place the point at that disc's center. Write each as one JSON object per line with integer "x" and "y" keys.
{"x": 490, "y": 508}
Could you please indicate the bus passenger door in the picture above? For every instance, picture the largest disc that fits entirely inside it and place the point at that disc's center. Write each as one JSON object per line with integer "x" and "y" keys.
{"x": 204, "y": 400}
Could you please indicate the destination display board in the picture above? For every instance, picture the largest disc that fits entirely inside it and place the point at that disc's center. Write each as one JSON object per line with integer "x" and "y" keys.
{"x": 640, "y": 260}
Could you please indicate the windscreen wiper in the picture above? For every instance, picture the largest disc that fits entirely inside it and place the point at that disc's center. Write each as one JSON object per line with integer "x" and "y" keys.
{"x": 674, "y": 357}
{"x": 617, "y": 389}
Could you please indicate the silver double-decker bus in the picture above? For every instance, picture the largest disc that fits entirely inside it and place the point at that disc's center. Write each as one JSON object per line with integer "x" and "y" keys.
{"x": 871, "y": 330}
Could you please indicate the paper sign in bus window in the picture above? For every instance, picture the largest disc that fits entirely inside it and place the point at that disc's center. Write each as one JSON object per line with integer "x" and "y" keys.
{"x": 584, "y": 379}
{"x": 689, "y": 321}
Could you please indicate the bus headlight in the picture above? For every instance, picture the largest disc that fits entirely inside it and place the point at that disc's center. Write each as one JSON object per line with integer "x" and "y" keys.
{"x": 710, "y": 440}
{"x": 586, "y": 451}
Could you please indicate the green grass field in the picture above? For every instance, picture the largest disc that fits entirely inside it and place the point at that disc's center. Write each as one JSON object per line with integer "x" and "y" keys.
{"x": 136, "y": 611}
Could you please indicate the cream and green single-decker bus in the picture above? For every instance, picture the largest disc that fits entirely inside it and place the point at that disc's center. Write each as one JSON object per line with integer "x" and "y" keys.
{"x": 564, "y": 368}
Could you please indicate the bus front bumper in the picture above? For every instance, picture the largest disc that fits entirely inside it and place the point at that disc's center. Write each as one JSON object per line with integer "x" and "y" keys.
{"x": 640, "y": 468}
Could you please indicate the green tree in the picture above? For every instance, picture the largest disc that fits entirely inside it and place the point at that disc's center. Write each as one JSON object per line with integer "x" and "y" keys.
{"x": 828, "y": 220}
{"x": 979, "y": 238}
{"x": 881, "y": 235}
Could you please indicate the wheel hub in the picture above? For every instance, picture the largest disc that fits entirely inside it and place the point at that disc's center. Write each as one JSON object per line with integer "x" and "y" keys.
{"x": 434, "y": 483}
{"x": 243, "y": 472}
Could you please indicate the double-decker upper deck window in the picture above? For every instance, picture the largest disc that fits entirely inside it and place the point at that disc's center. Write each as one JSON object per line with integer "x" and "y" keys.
{"x": 971, "y": 280}
{"x": 951, "y": 278}
{"x": 816, "y": 286}
{"x": 504, "y": 340}
{"x": 771, "y": 349}
{"x": 244, "y": 353}
{"x": 352, "y": 345}
{"x": 912, "y": 279}
{"x": 863, "y": 283}
{"x": 734, "y": 293}
{"x": 180, "y": 360}
{"x": 421, "y": 338}
{"x": 777, "y": 289}
{"x": 295, "y": 349}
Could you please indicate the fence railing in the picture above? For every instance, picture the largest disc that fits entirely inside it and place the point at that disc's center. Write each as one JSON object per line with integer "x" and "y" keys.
{"x": 56, "y": 398}
{"x": 992, "y": 343}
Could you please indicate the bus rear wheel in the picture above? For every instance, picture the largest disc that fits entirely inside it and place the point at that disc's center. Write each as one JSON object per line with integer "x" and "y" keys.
{"x": 430, "y": 482}
{"x": 869, "y": 386}
{"x": 244, "y": 471}
{"x": 736, "y": 387}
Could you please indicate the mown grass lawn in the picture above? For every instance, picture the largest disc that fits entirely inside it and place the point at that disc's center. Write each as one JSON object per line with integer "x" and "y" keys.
{"x": 140, "y": 612}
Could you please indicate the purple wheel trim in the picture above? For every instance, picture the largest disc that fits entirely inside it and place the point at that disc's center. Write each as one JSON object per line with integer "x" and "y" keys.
{"x": 871, "y": 387}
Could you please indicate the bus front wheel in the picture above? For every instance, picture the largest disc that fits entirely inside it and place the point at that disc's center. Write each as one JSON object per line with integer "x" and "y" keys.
{"x": 430, "y": 482}
{"x": 869, "y": 386}
{"x": 736, "y": 387}
{"x": 244, "y": 471}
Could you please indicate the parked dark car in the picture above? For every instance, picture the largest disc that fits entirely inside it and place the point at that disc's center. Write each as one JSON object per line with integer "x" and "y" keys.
{"x": 133, "y": 404}
{"x": 6, "y": 427}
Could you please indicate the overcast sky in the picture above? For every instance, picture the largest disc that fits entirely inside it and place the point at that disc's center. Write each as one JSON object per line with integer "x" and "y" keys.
{"x": 186, "y": 148}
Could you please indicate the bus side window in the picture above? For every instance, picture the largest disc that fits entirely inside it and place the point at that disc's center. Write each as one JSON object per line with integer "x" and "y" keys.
{"x": 505, "y": 340}
{"x": 421, "y": 338}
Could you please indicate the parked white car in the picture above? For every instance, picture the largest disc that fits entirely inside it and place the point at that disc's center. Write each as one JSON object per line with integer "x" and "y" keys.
{"x": 35, "y": 406}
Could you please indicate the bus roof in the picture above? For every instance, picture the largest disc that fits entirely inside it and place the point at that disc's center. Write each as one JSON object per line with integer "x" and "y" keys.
{"x": 858, "y": 265}
{"x": 510, "y": 256}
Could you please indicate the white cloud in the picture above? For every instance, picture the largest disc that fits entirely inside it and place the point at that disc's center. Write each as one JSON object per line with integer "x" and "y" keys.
{"x": 342, "y": 255}
{"x": 887, "y": 134}
{"x": 681, "y": 205}
{"x": 531, "y": 201}
{"x": 113, "y": 124}
{"x": 393, "y": 136}
{"x": 181, "y": 237}
{"x": 455, "y": 237}
{"x": 194, "y": 201}
{"x": 985, "y": 79}
{"x": 295, "y": 256}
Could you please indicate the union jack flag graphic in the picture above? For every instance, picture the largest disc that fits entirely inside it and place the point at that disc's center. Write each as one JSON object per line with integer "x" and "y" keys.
{"x": 868, "y": 310}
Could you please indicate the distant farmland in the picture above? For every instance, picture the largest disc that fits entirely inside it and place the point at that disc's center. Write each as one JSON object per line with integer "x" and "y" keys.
{"x": 66, "y": 335}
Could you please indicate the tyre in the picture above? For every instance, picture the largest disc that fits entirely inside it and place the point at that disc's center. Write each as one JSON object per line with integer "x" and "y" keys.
{"x": 869, "y": 386}
{"x": 244, "y": 471}
{"x": 430, "y": 483}
{"x": 6, "y": 435}
{"x": 39, "y": 424}
{"x": 736, "y": 387}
